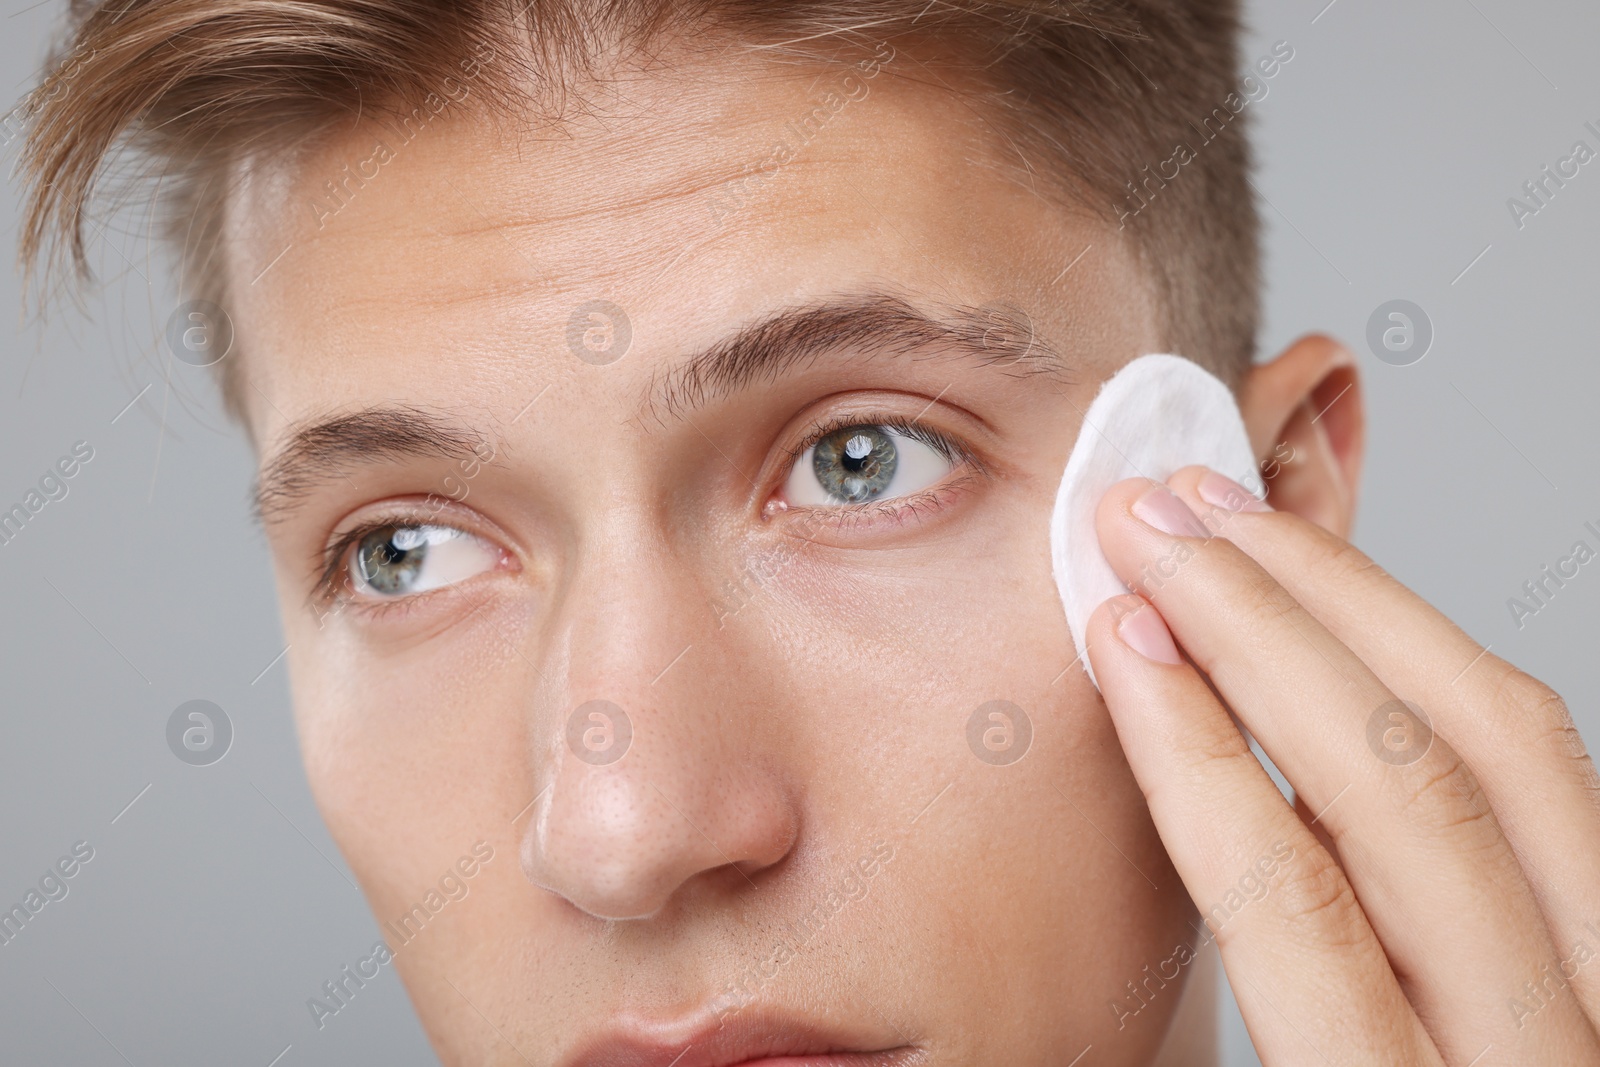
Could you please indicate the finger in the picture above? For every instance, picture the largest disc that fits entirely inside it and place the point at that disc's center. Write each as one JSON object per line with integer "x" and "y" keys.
{"x": 1302, "y": 958}
{"x": 1438, "y": 880}
{"x": 1314, "y": 824}
{"x": 1512, "y": 730}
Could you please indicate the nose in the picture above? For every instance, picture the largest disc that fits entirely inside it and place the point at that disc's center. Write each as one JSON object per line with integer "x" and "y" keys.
{"x": 661, "y": 768}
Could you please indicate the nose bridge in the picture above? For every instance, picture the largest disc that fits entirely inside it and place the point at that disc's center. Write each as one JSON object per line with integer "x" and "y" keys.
{"x": 653, "y": 772}
{"x": 632, "y": 604}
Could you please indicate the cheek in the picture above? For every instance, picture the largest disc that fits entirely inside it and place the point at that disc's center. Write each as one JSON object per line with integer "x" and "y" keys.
{"x": 1004, "y": 862}
{"x": 410, "y": 754}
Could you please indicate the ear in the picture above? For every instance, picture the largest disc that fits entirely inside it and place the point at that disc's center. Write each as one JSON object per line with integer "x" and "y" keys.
{"x": 1307, "y": 424}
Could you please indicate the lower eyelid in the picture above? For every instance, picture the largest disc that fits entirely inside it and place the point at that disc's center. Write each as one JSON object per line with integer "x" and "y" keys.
{"x": 389, "y": 609}
{"x": 898, "y": 509}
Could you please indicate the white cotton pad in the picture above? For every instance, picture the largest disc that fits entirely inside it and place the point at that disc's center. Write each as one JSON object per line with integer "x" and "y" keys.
{"x": 1154, "y": 416}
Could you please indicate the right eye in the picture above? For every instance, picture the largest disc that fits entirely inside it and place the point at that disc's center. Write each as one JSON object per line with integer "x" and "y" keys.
{"x": 401, "y": 560}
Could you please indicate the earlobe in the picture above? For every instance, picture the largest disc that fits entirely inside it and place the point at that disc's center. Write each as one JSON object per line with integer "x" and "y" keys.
{"x": 1307, "y": 423}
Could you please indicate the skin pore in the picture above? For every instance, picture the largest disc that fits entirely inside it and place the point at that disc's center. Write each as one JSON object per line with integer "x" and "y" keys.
{"x": 781, "y": 732}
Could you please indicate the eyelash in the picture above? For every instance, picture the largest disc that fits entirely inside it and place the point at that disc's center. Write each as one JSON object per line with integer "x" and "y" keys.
{"x": 947, "y": 447}
{"x": 333, "y": 583}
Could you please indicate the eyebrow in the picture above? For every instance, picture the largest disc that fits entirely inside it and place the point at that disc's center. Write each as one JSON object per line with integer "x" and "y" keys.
{"x": 865, "y": 325}
{"x": 325, "y": 449}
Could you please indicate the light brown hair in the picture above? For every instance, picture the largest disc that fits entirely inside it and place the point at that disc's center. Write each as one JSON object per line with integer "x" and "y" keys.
{"x": 1092, "y": 94}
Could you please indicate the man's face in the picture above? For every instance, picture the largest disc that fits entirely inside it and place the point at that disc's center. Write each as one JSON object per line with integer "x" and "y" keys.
{"x": 705, "y": 492}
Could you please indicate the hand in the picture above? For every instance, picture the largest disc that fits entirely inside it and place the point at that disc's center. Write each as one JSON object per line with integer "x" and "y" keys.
{"x": 1433, "y": 895}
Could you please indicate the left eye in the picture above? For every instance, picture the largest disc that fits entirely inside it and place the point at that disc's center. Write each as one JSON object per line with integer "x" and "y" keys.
{"x": 862, "y": 463}
{"x": 395, "y": 561}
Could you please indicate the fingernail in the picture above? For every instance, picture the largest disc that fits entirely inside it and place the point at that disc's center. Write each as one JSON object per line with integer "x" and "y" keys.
{"x": 1224, "y": 492}
{"x": 1160, "y": 508}
{"x": 1146, "y": 633}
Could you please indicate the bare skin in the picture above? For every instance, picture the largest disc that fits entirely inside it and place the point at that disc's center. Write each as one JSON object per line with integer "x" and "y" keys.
{"x": 797, "y": 678}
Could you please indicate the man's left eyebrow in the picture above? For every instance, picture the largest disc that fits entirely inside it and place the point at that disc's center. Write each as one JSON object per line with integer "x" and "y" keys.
{"x": 865, "y": 325}
{"x": 327, "y": 448}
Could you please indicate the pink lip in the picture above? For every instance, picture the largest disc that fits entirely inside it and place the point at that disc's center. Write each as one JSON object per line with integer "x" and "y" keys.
{"x": 887, "y": 1058}
{"x": 749, "y": 1039}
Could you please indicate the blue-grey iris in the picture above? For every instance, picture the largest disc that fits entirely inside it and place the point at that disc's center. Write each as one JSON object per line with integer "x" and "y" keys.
{"x": 390, "y": 558}
{"x": 855, "y": 463}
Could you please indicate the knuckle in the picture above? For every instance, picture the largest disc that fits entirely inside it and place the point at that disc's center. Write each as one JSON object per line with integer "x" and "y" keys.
{"x": 1536, "y": 717}
{"x": 1214, "y": 747}
{"x": 1209, "y": 756}
{"x": 1337, "y": 559}
{"x": 1553, "y": 731}
{"x": 1266, "y": 601}
{"x": 1315, "y": 899}
{"x": 1443, "y": 796}
{"x": 1521, "y": 694}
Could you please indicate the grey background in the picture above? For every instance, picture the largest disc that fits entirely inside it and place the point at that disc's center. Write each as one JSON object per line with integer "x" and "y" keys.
{"x": 216, "y": 904}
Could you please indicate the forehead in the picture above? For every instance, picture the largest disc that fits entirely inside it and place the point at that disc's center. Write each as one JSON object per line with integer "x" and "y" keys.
{"x": 692, "y": 196}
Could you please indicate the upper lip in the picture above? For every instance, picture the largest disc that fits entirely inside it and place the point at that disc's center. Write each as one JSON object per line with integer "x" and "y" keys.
{"x": 701, "y": 1042}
